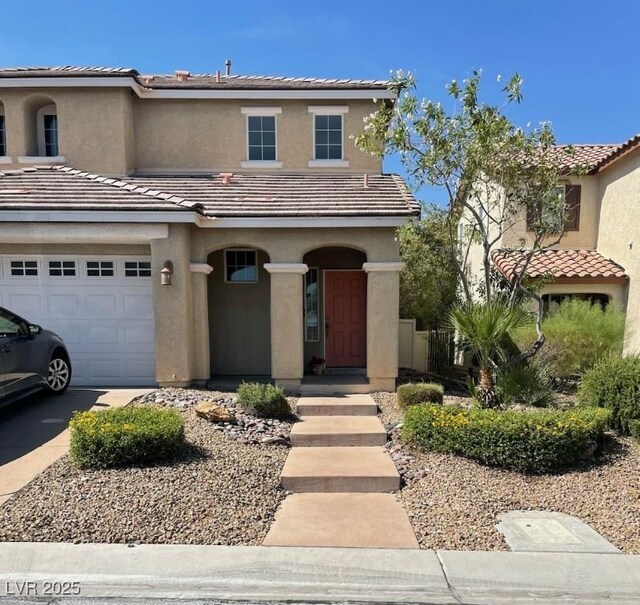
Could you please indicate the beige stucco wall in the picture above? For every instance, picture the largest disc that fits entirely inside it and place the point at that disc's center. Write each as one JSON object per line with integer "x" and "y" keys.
{"x": 587, "y": 234}
{"x": 94, "y": 126}
{"x": 211, "y": 135}
{"x": 619, "y": 235}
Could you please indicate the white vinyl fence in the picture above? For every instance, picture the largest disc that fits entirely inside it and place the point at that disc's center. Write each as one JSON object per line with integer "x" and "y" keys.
{"x": 424, "y": 350}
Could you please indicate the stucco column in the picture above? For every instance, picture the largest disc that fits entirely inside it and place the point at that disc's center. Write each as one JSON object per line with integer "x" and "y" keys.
{"x": 173, "y": 308}
{"x": 201, "y": 352}
{"x": 287, "y": 344}
{"x": 383, "y": 315}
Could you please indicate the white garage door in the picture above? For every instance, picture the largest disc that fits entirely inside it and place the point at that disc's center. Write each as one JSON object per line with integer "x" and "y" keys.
{"x": 102, "y": 307}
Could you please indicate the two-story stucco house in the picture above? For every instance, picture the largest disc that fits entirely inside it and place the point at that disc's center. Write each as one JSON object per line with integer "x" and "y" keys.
{"x": 175, "y": 228}
{"x": 597, "y": 257}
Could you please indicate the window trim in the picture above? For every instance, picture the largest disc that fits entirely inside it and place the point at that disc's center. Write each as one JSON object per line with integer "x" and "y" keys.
{"x": 228, "y": 281}
{"x": 263, "y": 112}
{"x": 306, "y": 310}
{"x": 327, "y": 110}
{"x": 50, "y": 109}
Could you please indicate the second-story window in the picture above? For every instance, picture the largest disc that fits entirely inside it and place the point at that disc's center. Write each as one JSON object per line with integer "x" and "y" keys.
{"x": 48, "y": 131}
{"x": 262, "y": 138}
{"x": 328, "y": 137}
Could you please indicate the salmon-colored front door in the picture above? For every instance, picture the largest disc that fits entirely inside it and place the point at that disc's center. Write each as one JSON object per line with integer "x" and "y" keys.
{"x": 345, "y": 315}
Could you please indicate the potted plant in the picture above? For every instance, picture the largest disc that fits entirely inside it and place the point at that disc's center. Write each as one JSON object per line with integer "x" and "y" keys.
{"x": 317, "y": 365}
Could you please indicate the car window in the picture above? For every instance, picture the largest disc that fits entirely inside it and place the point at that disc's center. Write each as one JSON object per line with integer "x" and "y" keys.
{"x": 8, "y": 327}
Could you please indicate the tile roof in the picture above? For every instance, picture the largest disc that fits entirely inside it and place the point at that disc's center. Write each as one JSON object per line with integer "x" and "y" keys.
{"x": 63, "y": 188}
{"x": 198, "y": 81}
{"x": 251, "y": 195}
{"x": 247, "y": 195}
{"x": 560, "y": 264}
{"x": 587, "y": 157}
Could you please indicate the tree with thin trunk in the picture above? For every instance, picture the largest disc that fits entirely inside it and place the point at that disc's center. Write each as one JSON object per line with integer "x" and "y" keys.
{"x": 495, "y": 176}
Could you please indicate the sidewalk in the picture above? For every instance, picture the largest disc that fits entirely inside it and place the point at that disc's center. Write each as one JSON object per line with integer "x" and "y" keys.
{"x": 320, "y": 574}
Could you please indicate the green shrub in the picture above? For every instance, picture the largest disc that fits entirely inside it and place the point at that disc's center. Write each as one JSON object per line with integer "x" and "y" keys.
{"x": 531, "y": 440}
{"x": 125, "y": 436}
{"x": 422, "y": 392}
{"x": 614, "y": 383}
{"x": 527, "y": 384}
{"x": 577, "y": 334}
{"x": 264, "y": 400}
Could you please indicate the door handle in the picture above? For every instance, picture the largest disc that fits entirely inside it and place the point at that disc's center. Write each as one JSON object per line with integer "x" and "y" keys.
{"x": 326, "y": 329}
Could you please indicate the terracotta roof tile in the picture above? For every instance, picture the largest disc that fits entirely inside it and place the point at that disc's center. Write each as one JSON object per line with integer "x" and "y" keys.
{"x": 247, "y": 195}
{"x": 583, "y": 156}
{"x": 559, "y": 264}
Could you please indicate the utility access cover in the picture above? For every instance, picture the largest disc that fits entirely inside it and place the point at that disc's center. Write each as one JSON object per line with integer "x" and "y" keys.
{"x": 543, "y": 531}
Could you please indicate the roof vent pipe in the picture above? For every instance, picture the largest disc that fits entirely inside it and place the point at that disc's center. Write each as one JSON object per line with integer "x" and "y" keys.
{"x": 218, "y": 77}
{"x": 182, "y": 75}
{"x": 366, "y": 181}
{"x": 226, "y": 177}
{"x": 227, "y": 67}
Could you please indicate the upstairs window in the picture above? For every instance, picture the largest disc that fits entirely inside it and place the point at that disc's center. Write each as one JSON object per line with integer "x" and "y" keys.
{"x": 572, "y": 195}
{"x": 48, "y": 131}
{"x": 3, "y": 135}
{"x": 328, "y": 137}
{"x": 262, "y": 138}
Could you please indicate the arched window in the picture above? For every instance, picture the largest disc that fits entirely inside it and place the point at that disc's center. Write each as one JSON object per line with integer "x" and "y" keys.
{"x": 47, "y": 119}
{"x": 3, "y": 132}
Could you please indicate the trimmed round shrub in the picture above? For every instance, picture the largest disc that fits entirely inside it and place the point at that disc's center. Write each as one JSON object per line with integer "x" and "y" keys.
{"x": 264, "y": 400}
{"x": 126, "y": 436}
{"x": 614, "y": 383}
{"x": 528, "y": 440}
{"x": 417, "y": 393}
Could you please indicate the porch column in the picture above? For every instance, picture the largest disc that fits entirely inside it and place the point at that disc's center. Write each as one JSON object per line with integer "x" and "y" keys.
{"x": 287, "y": 344}
{"x": 383, "y": 317}
{"x": 201, "y": 352}
{"x": 173, "y": 308}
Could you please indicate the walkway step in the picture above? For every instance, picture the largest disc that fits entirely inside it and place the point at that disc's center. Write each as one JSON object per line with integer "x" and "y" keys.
{"x": 347, "y": 405}
{"x": 341, "y": 520}
{"x": 339, "y": 469}
{"x": 323, "y": 431}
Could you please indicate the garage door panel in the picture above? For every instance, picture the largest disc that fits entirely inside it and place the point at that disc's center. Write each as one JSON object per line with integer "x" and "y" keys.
{"x": 107, "y": 324}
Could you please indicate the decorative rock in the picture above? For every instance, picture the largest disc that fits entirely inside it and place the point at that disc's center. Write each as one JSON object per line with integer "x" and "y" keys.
{"x": 213, "y": 412}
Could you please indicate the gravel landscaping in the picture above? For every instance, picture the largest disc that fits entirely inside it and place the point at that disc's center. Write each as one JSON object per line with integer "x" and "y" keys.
{"x": 454, "y": 503}
{"x": 224, "y": 490}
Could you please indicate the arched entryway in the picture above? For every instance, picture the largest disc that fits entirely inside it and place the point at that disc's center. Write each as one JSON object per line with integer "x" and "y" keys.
{"x": 239, "y": 312}
{"x": 335, "y": 308}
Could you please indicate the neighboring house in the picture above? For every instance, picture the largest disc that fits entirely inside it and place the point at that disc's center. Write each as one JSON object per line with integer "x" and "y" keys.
{"x": 174, "y": 228}
{"x": 597, "y": 258}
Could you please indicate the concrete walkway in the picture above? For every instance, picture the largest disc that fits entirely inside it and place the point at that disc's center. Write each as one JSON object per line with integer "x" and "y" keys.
{"x": 341, "y": 477}
{"x": 120, "y": 573}
{"x": 33, "y": 432}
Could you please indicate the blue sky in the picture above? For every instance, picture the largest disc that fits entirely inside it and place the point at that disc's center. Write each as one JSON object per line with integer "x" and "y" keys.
{"x": 579, "y": 59}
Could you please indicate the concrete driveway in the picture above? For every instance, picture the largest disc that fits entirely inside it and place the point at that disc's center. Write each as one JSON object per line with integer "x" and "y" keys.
{"x": 33, "y": 432}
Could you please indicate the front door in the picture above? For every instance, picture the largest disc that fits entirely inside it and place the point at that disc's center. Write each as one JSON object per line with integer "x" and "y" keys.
{"x": 345, "y": 314}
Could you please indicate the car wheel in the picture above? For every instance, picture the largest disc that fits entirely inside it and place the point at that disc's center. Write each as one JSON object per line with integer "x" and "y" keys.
{"x": 58, "y": 375}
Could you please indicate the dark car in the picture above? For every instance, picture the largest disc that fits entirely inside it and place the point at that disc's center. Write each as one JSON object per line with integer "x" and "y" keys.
{"x": 31, "y": 359}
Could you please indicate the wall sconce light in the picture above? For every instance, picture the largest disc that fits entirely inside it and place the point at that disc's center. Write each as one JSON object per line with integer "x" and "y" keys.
{"x": 165, "y": 273}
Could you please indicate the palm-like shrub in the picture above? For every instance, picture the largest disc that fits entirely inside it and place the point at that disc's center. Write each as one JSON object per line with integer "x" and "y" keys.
{"x": 483, "y": 327}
